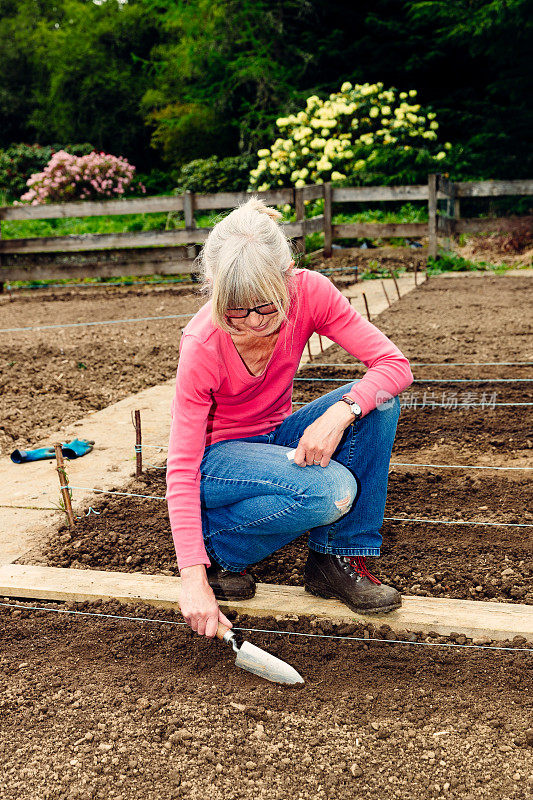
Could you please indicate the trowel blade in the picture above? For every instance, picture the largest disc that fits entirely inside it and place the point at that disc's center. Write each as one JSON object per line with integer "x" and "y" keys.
{"x": 265, "y": 665}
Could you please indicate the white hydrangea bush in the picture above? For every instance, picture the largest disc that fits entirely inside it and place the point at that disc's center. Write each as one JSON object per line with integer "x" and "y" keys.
{"x": 360, "y": 135}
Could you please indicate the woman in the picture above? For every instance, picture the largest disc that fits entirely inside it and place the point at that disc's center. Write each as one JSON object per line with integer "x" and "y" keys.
{"x": 232, "y": 490}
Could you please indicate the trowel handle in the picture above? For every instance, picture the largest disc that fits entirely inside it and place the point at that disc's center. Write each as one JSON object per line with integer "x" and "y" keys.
{"x": 221, "y": 631}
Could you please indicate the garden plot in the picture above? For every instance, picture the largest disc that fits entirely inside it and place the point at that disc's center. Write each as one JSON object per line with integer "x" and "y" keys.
{"x": 424, "y": 558}
{"x": 102, "y": 708}
{"x": 98, "y": 708}
{"x": 51, "y": 378}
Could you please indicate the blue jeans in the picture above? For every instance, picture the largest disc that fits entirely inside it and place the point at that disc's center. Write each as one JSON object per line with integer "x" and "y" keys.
{"x": 254, "y": 500}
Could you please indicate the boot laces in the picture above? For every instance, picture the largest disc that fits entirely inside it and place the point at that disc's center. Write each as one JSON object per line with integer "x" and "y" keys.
{"x": 358, "y": 565}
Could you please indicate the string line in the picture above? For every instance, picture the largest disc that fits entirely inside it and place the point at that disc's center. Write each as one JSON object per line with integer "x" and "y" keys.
{"x": 432, "y": 364}
{"x": 452, "y": 466}
{"x": 387, "y": 519}
{"x": 278, "y": 633}
{"x": 125, "y": 284}
{"x": 392, "y": 463}
{"x": 429, "y": 380}
{"x": 459, "y": 406}
{"x": 398, "y": 463}
{"x": 85, "y": 324}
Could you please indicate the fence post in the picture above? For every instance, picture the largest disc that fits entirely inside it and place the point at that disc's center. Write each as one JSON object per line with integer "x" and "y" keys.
{"x": 1, "y": 281}
{"x": 328, "y": 232}
{"x": 190, "y": 222}
{"x": 446, "y": 222}
{"x": 433, "y": 182}
{"x": 299, "y": 207}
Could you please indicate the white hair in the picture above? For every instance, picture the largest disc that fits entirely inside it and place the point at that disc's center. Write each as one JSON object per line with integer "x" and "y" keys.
{"x": 246, "y": 261}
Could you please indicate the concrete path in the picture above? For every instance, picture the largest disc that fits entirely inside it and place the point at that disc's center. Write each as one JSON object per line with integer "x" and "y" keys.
{"x": 29, "y": 493}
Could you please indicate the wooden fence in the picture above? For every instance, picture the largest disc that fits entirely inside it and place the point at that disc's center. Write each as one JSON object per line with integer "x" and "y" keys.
{"x": 171, "y": 252}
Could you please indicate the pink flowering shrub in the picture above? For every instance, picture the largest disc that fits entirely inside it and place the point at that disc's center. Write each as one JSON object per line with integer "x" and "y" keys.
{"x": 91, "y": 177}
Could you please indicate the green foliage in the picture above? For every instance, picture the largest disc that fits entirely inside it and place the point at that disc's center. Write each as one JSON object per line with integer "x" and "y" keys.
{"x": 184, "y": 131}
{"x": 74, "y": 71}
{"x": 206, "y": 175}
{"x": 473, "y": 60}
{"x": 156, "y": 182}
{"x": 406, "y": 213}
{"x": 364, "y": 134}
{"x": 76, "y": 226}
{"x": 20, "y": 161}
{"x": 116, "y": 223}
{"x": 451, "y": 262}
{"x": 240, "y": 58}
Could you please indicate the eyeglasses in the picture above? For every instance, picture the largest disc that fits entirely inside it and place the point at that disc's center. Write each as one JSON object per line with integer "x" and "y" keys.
{"x": 241, "y": 313}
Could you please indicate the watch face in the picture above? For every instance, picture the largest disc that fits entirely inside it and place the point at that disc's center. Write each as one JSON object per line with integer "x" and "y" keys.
{"x": 354, "y": 407}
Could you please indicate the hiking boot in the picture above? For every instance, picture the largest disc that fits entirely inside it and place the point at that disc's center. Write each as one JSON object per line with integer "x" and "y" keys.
{"x": 230, "y": 585}
{"x": 348, "y": 579}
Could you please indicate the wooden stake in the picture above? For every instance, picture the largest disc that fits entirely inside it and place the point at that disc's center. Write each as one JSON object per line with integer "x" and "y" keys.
{"x": 386, "y": 295}
{"x": 63, "y": 484}
{"x": 309, "y": 350}
{"x": 366, "y": 306}
{"x": 320, "y": 342}
{"x": 393, "y": 276}
{"x": 138, "y": 445}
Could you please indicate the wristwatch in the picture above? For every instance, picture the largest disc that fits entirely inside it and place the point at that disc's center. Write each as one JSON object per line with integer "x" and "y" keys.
{"x": 355, "y": 408}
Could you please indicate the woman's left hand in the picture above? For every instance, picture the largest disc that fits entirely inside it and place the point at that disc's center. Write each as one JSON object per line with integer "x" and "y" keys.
{"x": 320, "y": 439}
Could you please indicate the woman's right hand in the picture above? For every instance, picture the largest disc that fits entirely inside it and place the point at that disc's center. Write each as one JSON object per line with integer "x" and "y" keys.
{"x": 198, "y": 604}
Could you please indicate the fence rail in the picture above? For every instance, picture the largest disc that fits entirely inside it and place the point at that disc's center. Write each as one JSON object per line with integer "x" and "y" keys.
{"x": 172, "y": 252}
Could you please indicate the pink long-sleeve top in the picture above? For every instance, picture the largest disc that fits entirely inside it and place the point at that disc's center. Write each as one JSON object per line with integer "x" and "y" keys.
{"x": 216, "y": 398}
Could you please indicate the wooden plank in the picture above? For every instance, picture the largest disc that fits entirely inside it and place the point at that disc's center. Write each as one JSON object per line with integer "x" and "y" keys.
{"x": 107, "y": 241}
{"x": 273, "y": 197}
{"x": 377, "y": 252}
{"x": 140, "y": 205}
{"x": 354, "y": 194}
{"x": 103, "y": 241}
{"x": 375, "y": 230}
{"x": 96, "y": 208}
{"x": 421, "y": 614}
{"x": 93, "y": 258}
{"x": 314, "y": 224}
{"x": 313, "y": 191}
{"x": 364, "y": 194}
{"x": 493, "y": 188}
{"x": 132, "y": 267}
{"x": 501, "y": 224}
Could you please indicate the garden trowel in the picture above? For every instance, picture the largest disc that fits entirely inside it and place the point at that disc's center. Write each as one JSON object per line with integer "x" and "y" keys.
{"x": 258, "y": 661}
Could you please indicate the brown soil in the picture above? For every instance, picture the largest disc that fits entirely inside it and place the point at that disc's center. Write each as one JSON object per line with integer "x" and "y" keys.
{"x": 133, "y": 534}
{"x": 418, "y": 558}
{"x": 101, "y": 708}
{"x": 51, "y": 378}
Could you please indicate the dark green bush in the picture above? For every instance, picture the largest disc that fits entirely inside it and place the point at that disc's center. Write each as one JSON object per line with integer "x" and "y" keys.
{"x": 206, "y": 175}
{"x": 156, "y": 182}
